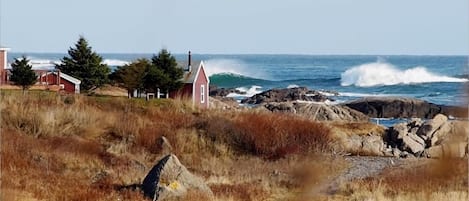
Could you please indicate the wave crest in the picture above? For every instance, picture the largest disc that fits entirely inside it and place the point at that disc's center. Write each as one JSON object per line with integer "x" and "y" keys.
{"x": 382, "y": 74}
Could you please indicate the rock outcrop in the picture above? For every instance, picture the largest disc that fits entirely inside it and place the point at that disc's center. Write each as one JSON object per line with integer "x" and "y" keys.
{"x": 223, "y": 92}
{"x": 400, "y": 107}
{"x": 320, "y": 112}
{"x": 437, "y": 137}
{"x": 284, "y": 95}
{"x": 169, "y": 178}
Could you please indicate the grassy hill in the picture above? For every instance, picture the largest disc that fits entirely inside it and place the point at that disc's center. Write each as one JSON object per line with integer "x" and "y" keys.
{"x": 63, "y": 147}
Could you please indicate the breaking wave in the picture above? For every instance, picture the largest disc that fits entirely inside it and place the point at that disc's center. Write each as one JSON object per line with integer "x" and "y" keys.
{"x": 382, "y": 74}
{"x": 115, "y": 62}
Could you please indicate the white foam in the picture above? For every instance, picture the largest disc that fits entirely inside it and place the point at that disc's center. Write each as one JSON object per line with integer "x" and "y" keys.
{"x": 230, "y": 66}
{"x": 115, "y": 62}
{"x": 379, "y": 74}
{"x": 253, "y": 90}
{"x": 351, "y": 94}
{"x": 292, "y": 86}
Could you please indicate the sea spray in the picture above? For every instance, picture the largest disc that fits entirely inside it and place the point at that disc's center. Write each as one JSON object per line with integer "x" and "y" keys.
{"x": 385, "y": 74}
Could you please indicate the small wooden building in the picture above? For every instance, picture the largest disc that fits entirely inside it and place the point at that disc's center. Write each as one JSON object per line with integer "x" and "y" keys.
{"x": 196, "y": 84}
{"x": 66, "y": 82}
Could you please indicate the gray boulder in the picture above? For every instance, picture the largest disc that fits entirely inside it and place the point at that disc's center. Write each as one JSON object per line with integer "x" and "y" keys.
{"x": 401, "y": 107}
{"x": 319, "y": 112}
{"x": 412, "y": 146}
{"x": 284, "y": 95}
{"x": 451, "y": 150}
{"x": 169, "y": 178}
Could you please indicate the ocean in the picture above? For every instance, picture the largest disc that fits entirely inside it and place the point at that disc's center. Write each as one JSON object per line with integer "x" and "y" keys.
{"x": 437, "y": 79}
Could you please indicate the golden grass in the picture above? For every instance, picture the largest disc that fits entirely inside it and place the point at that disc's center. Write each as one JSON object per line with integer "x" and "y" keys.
{"x": 73, "y": 147}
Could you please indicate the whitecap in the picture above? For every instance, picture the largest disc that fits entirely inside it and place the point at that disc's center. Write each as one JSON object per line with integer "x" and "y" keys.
{"x": 382, "y": 74}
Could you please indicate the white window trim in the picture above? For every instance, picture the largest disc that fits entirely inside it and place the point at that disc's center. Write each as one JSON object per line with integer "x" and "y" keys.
{"x": 202, "y": 93}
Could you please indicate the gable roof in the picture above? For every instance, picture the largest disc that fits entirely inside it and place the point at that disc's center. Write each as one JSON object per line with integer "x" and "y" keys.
{"x": 190, "y": 76}
{"x": 66, "y": 77}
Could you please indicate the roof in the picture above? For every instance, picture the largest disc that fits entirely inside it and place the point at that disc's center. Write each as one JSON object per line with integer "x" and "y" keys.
{"x": 190, "y": 76}
{"x": 66, "y": 77}
{"x": 4, "y": 48}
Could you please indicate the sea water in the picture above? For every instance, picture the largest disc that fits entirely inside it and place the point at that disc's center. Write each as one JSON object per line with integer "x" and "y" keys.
{"x": 437, "y": 79}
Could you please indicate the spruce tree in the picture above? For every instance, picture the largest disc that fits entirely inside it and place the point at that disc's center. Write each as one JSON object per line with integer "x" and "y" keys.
{"x": 86, "y": 65}
{"x": 131, "y": 76}
{"x": 22, "y": 73}
{"x": 166, "y": 63}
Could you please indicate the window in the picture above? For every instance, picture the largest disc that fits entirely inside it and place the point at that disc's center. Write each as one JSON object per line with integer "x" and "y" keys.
{"x": 202, "y": 93}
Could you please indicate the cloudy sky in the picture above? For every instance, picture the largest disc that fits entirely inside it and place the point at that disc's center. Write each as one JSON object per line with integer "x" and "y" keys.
{"x": 239, "y": 26}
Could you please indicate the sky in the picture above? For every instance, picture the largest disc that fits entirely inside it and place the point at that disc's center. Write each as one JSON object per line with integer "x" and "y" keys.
{"x": 416, "y": 27}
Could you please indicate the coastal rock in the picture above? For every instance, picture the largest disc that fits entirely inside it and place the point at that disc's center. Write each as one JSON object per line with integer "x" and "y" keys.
{"x": 373, "y": 145}
{"x": 317, "y": 111}
{"x": 400, "y": 107}
{"x": 452, "y": 150}
{"x": 223, "y": 103}
{"x": 288, "y": 94}
{"x": 169, "y": 178}
{"x": 164, "y": 146}
{"x": 429, "y": 127}
{"x": 223, "y": 92}
{"x": 412, "y": 146}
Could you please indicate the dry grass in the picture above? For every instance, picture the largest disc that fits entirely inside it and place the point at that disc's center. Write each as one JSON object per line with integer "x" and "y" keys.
{"x": 60, "y": 147}
{"x": 444, "y": 179}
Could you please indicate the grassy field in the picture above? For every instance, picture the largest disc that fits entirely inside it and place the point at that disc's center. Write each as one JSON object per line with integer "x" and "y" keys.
{"x": 64, "y": 147}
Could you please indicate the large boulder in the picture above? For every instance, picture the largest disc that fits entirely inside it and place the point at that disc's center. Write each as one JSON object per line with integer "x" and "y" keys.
{"x": 169, "y": 178}
{"x": 429, "y": 127}
{"x": 288, "y": 94}
{"x": 451, "y": 150}
{"x": 223, "y": 92}
{"x": 317, "y": 111}
{"x": 401, "y": 107}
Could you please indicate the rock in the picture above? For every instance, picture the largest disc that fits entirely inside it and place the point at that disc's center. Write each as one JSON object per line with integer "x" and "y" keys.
{"x": 417, "y": 139}
{"x": 284, "y": 95}
{"x": 169, "y": 178}
{"x": 287, "y": 107}
{"x": 396, "y": 152}
{"x": 452, "y": 150}
{"x": 400, "y": 107}
{"x": 164, "y": 145}
{"x": 412, "y": 146}
{"x": 223, "y": 92}
{"x": 373, "y": 145}
{"x": 323, "y": 112}
{"x": 399, "y": 131}
{"x": 429, "y": 127}
{"x": 223, "y": 103}
{"x": 441, "y": 133}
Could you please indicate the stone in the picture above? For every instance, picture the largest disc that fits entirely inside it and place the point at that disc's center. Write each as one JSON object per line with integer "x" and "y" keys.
{"x": 400, "y": 130}
{"x": 373, "y": 145}
{"x": 451, "y": 150}
{"x": 411, "y": 145}
{"x": 164, "y": 145}
{"x": 170, "y": 179}
{"x": 401, "y": 107}
{"x": 417, "y": 139}
{"x": 396, "y": 152}
{"x": 441, "y": 133}
{"x": 429, "y": 127}
{"x": 288, "y": 94}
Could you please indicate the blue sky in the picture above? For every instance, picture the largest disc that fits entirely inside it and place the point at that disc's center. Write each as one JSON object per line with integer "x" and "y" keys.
{"x": 239, "y": 26}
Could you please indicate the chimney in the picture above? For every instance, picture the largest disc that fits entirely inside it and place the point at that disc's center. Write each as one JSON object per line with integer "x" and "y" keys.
{"x": 189, "y": 62}
{"x": 3, "y": 64}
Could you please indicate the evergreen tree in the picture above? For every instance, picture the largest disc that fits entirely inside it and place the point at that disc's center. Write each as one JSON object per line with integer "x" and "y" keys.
{"x": 166, "y": 63}
{"x": 22, "y": 73}
{"x": 131, "y": 76}
{"x": 86, "y": 65}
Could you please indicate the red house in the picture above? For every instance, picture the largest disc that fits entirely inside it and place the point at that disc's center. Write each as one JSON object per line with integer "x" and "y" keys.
{"x": 66, "y": 82}
{"x": 47, "y": 79}
{"x": 3, "y": 65}
{"x": 196, "y": 84}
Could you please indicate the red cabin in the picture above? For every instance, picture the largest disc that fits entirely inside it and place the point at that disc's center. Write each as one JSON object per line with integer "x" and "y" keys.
{"x": 196, "y": 85}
